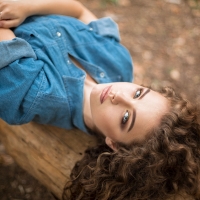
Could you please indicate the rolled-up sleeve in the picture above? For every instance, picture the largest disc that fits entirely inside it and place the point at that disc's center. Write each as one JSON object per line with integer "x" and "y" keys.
{"x": 19, "y": 67}
{"x": 106, "y": 27}
{"x": 12, "y": 50}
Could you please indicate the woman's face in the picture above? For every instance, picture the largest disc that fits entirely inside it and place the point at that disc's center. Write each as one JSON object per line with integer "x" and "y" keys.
{"x": 125, "y": 112}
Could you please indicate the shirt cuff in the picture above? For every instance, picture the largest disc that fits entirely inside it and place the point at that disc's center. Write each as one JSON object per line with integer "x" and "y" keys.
{"x": 106, "y": 27}
{"x": 12, "y": 50}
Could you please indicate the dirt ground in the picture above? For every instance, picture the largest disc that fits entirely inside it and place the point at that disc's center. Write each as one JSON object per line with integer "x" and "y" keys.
{"x": 163, "y": 37}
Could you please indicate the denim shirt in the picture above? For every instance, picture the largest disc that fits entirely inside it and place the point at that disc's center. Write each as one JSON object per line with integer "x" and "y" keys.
{"x": 38, "y": 82}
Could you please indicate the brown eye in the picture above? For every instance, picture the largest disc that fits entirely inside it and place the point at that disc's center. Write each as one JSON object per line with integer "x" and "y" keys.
{"x": 125, "y": 117}
{"x": 137, "y": 94}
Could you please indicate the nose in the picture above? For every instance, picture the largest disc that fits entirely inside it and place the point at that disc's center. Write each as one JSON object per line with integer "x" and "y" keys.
{"x": 119, "y": 97}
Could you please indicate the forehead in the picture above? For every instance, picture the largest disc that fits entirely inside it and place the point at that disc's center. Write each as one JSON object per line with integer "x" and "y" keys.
{"x": 149, "y": 112}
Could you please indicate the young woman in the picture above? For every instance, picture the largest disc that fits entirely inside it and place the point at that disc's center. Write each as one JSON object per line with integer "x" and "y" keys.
{"x": 75, "y": 73}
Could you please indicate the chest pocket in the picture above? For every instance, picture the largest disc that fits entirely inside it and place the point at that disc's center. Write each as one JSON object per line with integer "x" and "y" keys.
{"x": 45, "y": 106}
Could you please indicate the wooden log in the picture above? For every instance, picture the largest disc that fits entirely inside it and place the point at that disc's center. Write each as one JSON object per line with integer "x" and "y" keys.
{"x": 48, "y": 153}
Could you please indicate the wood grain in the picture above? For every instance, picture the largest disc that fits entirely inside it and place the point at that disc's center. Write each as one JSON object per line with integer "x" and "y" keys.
{"x": 48, "y": 153}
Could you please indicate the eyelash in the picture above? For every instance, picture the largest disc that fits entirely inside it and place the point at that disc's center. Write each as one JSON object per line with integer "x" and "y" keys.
{"x": 126, "y": 116}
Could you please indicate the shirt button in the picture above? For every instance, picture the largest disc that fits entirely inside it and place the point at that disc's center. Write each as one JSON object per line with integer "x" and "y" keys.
{"x": 58, "y": 34}
{"x": 91, "y": 29}
{"x": 68, "y": 62}
{"x": 102, "y": 74}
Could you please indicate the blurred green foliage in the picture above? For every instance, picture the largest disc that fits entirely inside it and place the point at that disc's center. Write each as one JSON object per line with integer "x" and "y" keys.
{"x": 195, "y": 4}
{"x": 105, "y": 2}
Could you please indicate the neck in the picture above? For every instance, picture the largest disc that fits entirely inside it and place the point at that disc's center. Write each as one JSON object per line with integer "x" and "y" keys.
{"x": 88, "y": 86}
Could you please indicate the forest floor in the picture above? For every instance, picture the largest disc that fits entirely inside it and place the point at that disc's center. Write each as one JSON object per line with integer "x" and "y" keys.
{"x": 163, "y": 37}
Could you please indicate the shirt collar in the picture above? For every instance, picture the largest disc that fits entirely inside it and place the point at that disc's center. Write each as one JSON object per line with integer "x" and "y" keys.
{"x": 75, "y": 93}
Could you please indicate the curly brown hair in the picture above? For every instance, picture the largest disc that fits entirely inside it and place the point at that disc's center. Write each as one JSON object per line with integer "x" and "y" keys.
{"x": 163, "y": 166}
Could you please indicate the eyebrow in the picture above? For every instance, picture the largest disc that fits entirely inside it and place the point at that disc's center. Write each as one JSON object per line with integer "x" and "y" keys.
{"x": 134, "y": 112}
{"x": 147, "y": 91}
{"x": 133, "y": 120}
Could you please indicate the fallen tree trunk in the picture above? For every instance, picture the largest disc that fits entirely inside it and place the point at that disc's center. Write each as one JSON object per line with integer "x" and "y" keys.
{"x": 48, "y": 153}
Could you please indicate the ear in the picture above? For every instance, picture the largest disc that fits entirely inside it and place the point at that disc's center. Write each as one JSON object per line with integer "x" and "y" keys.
{"x": 111, "y": 143}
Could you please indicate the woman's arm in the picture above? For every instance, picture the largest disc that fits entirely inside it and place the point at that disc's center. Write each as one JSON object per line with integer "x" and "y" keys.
{"x": 6, "y": 34}
{"x": 14, "y": 12}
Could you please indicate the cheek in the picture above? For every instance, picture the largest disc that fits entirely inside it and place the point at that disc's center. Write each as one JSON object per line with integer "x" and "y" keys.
{"x": 105, "y": 121}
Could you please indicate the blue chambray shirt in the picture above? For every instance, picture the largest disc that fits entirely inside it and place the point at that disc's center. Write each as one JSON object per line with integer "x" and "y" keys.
{"x": 38, "y": 82}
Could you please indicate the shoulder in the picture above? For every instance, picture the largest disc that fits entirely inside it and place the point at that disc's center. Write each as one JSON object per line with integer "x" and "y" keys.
{"x": 106, "y": 27}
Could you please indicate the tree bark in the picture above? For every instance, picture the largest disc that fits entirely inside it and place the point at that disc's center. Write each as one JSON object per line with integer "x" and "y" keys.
{"x": 48, "y": 153}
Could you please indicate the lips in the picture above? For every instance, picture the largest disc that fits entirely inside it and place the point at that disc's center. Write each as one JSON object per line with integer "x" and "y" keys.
{"x": 105, "y": 93}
